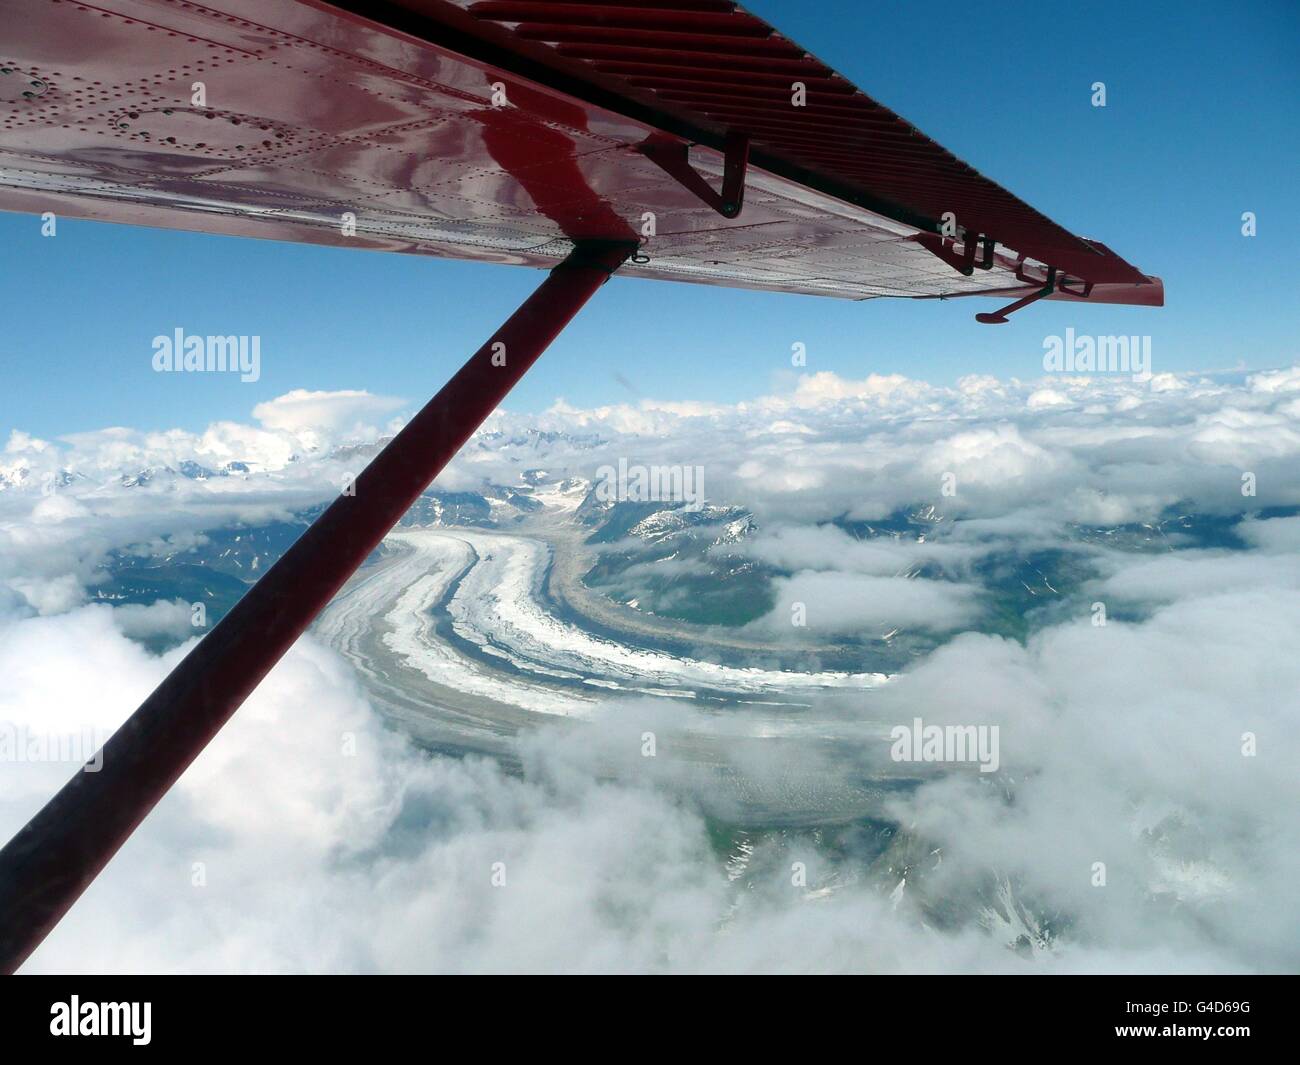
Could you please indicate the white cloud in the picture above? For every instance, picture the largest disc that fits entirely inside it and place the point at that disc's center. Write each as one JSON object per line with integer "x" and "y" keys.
{"x": 1285, "y": 380}
{"x": 1126, "y": 746}
{"x": 327, "y": 414}
{"x": 312, "y": 859}
{"x": 1120, "y": 744}
{"x": 818, "y": 389}
{"x": 854, "y": 603}
{"x": 1045, "y": 398}
{"x": 315, "y": 860}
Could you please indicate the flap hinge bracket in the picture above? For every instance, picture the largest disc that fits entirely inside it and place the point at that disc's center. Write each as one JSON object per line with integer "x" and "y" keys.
{"x": 965, "y": 263}
{"x": 671, "y": 156}
{"x": 1055, "y": 281}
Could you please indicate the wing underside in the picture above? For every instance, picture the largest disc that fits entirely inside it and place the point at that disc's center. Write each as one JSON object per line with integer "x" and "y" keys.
{"x": 506, "y": 131}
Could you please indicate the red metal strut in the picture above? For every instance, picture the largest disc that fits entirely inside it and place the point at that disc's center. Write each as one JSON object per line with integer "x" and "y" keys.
{"x": 45, "y": 868}
{"x": 999, "y": 317}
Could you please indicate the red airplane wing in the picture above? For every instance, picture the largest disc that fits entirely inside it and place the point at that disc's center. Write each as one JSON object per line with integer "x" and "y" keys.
{"x": 684, "y": 134}
{"x": 506, "y": 130}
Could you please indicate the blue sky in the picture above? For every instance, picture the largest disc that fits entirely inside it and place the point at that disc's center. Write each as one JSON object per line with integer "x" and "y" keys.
{"x": 1203, "y": 108}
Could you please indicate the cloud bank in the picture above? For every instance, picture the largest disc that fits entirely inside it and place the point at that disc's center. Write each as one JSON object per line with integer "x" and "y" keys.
{"x": 1161, "y": 746}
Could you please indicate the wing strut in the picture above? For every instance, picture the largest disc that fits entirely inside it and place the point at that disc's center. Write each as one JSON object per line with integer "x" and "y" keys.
{"x": 46, "y": 866}
{"x": 999, "y": 317}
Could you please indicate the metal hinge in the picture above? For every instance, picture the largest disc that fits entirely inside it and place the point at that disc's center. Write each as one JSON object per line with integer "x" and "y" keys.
{"x": 671, "y": 156}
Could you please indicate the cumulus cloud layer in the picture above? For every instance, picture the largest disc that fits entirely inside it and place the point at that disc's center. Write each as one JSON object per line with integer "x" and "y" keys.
{"x": 1105, "y": 450}
{"x": 1161, "y": 746}
{"x": 309, "y": 839}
